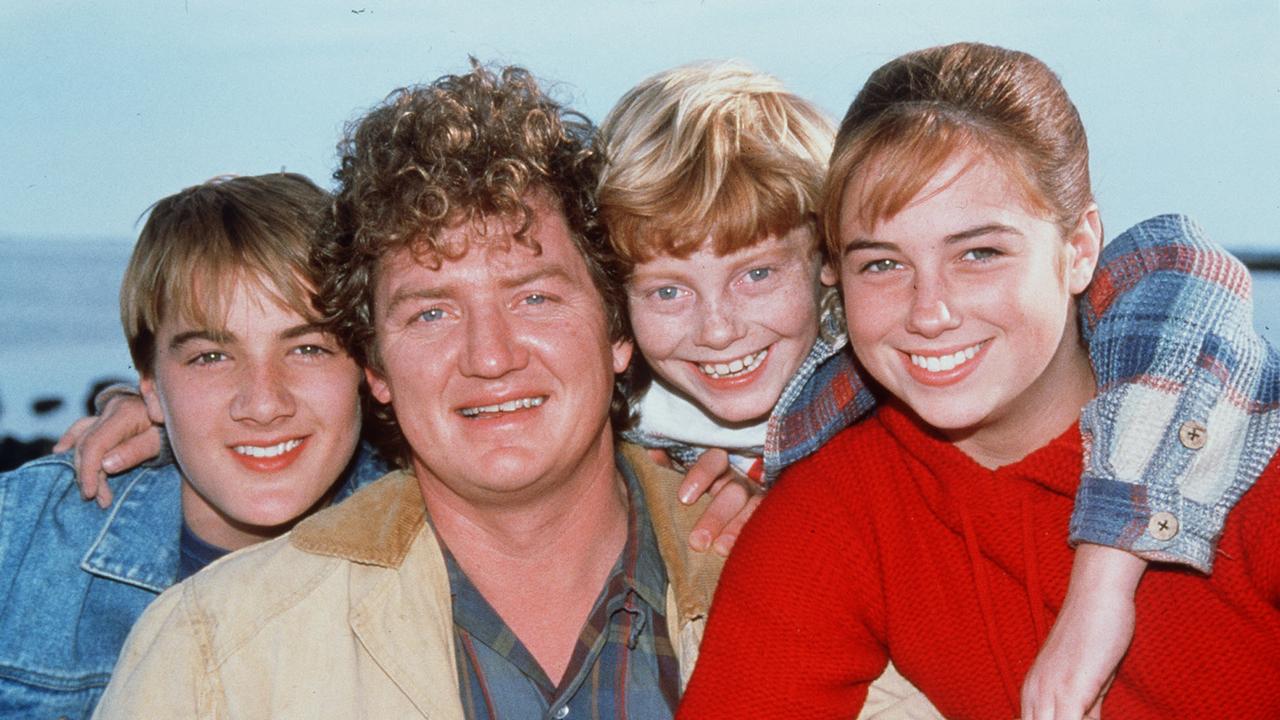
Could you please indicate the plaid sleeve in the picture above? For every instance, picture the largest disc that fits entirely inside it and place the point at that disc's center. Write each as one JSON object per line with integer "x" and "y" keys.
{"x": 1188, "y": 410}
{"x": 826, "y": 395}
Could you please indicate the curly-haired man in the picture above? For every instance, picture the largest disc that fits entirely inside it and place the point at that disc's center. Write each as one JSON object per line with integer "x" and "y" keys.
{"x": 522, "y": 564}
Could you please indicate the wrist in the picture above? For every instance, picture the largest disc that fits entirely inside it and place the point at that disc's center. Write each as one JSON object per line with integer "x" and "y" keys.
{"x": 1104, "y": 569}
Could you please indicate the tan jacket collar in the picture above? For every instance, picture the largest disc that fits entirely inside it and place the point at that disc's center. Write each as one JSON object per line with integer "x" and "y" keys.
{"x": 375, "y": 526}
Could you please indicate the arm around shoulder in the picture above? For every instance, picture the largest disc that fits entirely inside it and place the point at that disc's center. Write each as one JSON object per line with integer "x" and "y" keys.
{"x": 1186, "y": 417}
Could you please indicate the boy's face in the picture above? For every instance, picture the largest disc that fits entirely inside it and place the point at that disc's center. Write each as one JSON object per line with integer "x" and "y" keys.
{"x": 262, "y": 411}
{"x": 730, "y": 331}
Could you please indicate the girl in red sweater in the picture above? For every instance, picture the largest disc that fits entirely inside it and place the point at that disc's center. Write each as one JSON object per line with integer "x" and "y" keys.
{"x": 960, "y": 216}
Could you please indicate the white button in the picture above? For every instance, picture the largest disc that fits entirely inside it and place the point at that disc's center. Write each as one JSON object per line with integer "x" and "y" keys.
{"x": 562, "y": 713}
{"x": 1163, "y": 526}
{"x": 1193, "y": 435}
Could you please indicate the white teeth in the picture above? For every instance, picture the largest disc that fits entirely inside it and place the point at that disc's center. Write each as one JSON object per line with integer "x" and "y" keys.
{"x": 267, "y": 452}
{"x": 943, "y": 363}
{"x": 504, "y": 407}
{"x": 740, "y": 366}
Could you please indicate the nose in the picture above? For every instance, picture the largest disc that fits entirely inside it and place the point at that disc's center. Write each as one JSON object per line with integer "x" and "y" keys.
{"x": 932, "y": 311}
{"x": 492, "y": 348}
{"x": 719, "y": 325}
{"x": 263, "y": 395}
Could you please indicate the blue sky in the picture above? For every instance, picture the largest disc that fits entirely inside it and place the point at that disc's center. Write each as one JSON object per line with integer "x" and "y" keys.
{"x": 110, "y": 105}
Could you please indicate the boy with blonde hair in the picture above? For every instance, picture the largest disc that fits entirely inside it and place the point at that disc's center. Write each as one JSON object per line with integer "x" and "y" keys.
{"x": 709, "y": 196}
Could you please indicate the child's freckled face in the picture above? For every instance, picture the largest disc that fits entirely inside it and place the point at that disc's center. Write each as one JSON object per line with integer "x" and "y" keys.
{"x": 730, "y": 331}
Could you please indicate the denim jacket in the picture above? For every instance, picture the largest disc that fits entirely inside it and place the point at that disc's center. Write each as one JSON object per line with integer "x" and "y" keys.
{"x": 74, "y": 577}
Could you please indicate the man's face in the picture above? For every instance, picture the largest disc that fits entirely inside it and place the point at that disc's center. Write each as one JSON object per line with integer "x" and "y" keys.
{"x": 263, "y": 413}
{"x": 498, "y": 364}
{"x": 729, "y": 331}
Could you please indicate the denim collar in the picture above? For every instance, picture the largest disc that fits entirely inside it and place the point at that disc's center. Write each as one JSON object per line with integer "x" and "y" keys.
{"x": 138, "y": 542}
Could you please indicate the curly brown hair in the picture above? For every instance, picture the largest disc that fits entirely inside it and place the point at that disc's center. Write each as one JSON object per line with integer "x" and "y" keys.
{"x": 432, "y": 157}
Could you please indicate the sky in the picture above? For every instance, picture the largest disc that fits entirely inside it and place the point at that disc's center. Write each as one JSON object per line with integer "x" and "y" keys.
{"x": 110, "y": 105}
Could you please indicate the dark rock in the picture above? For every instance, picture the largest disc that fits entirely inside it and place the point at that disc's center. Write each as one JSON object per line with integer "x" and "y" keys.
{"x": 45, "y": 405}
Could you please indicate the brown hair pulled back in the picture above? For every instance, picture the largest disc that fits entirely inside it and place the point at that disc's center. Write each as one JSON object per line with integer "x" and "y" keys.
{"x": 917, "y": 111}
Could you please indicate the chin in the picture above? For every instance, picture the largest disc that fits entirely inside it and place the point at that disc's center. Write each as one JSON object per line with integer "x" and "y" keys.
{"x": 741, "y": 415}
{"x": 956, "y": 418}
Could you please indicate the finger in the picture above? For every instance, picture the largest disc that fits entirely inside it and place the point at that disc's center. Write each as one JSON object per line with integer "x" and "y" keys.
{"x": 1095, "y": 711}
{"x": 660, "y": 456}
{"x": 123, "y": 419}
{"x": 88, "y": 461}
{"x": 1037, "y": 692}
{"x": 104, "y": 496}
{"x": 719, "y": 514}
{"x": 729, "y": 536}
{"x": 704, "y": 473}
{"x": 133, "y": 451}
{"x": 73, "y": 433}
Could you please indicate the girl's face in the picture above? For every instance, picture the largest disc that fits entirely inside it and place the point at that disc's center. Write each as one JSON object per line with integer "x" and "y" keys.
{"x": 961, "y": 306}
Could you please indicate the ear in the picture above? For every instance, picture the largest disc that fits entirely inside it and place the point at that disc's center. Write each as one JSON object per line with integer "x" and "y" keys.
{"x": 622, "y": 350}
{"x": 828, "y": 275}
{"x": 378, "y": 387}
{"x": 1083, "y": 247}
{"x": 151, "y": 398}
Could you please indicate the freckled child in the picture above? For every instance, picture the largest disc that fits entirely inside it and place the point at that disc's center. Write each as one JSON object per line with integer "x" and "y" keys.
{"x": 710, "y": 197}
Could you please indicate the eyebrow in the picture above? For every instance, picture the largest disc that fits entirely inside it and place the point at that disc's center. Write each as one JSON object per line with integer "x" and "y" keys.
{"x": 298, "y": 331}
{"x": 446, "y": 291}
{"x": 212, "y": 336}
{"x": 222, "y": 338}
{"x": 966, "y": 234}
{"x": 551, "y": 272}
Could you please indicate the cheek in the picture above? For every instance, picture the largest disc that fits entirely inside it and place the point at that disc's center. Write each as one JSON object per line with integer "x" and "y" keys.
{"x": 792, "y": 314}
{"x": 337, "y": 393}
{"x": 1039, "y": 313}
{"x": 189, "y": 409}
{"x": 657, "y": 336}
{"x": 869, "y": 311}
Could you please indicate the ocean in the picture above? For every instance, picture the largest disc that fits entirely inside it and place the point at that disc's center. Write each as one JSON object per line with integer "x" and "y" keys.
{"x": 60, "y": 328}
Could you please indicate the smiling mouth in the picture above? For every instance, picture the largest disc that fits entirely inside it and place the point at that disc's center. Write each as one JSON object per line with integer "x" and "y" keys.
{"x": 735, "y": 368}
{"x": 270, "y": 451}
{"x": 943, "y": 363}
{"x": 503, "y": 407}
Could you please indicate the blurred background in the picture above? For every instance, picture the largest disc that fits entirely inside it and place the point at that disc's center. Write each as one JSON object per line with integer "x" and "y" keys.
{"x": 109, "y": 106}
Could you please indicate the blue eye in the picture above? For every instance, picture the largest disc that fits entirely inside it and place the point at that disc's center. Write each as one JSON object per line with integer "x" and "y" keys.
{"x": 667, "y": 292}
{"x": 981, "y": 254}
{"x": 535, "y": 299}
{"x": 311, "y": 350}
{"x": 430, "y": 315}
{"x": 879, "y": 266}
{"x": 208, "y": 358}
{"x": 758, "y": 274}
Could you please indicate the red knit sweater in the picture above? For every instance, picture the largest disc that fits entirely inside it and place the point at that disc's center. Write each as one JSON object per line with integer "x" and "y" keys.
{"x": 867, "y": 550}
